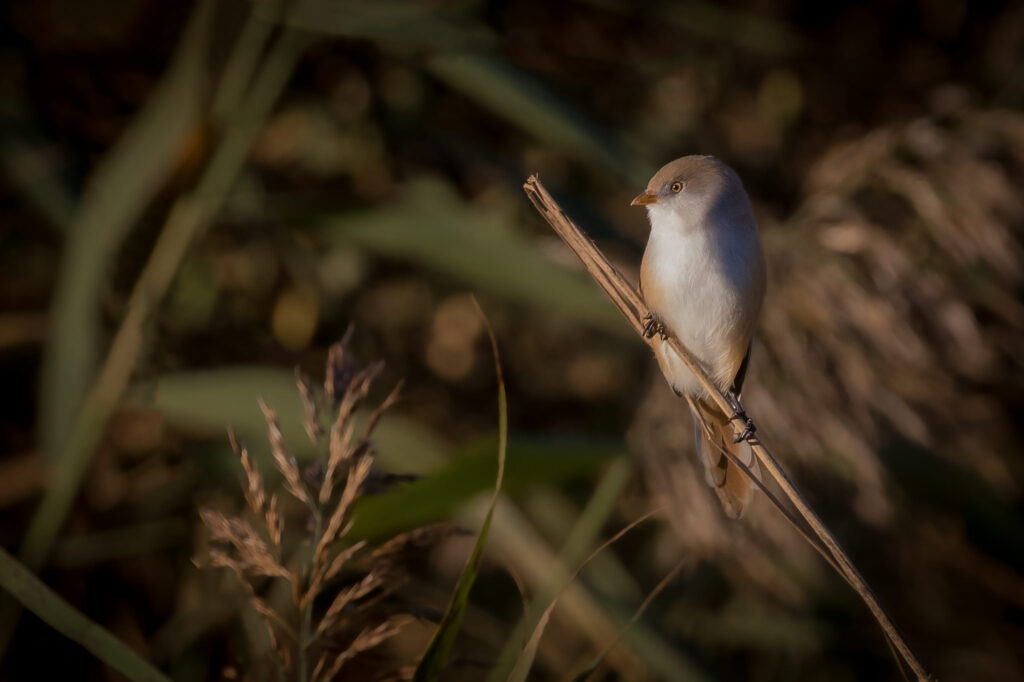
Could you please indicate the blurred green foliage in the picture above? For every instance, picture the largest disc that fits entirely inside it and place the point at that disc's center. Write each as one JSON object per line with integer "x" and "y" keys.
{"x": 431, "y": 227}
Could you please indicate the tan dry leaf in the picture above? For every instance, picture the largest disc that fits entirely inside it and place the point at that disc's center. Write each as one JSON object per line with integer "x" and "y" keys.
{"x": 275, "y": 522}
{"x": 353, "y": 484}
{"x": 310, "y": 408}
{"x": 341, "y": 429}
{"x": 285, "y": 461}
{"x": 341, "y": 558}
{"x": 376, "y": 415}
{"x": 271, "y": 616}
{"x": 369, "y": 583}
{"x": 367, "y": 639}
{"x": 254, "y": 491}
{"x": 341, "y": 438}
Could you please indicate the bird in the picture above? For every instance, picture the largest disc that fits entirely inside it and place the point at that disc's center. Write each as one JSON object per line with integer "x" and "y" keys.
{"x": 703, "y": 279}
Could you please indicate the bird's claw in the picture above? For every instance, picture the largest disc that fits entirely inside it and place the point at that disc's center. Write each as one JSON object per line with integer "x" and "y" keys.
{"x": 653, "y": 325}
{"x": 747, "y": 432}
{"x": 739, "y": 415}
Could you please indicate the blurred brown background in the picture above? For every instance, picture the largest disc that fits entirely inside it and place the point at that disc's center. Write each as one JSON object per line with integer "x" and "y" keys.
{"x": 362, "y": 165}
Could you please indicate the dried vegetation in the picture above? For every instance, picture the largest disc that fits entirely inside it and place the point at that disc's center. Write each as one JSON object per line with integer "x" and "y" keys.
{"x": 334, "y": 584}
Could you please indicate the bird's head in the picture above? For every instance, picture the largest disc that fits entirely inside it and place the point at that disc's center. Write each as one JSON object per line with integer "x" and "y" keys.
{"x": 689, "y": 187}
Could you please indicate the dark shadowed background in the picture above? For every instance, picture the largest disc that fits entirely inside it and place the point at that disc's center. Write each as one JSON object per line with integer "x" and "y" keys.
{"x": 262, "y": 188}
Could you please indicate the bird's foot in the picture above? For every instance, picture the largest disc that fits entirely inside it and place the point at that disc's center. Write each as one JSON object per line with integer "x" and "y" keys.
{"x": 748, "y": 431}
{"x": 653, "y": 325}
{"x": 738, "y": 414}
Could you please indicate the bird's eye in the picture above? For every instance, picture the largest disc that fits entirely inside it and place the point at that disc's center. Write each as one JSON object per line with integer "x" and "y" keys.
{"x": 677, "y": 187}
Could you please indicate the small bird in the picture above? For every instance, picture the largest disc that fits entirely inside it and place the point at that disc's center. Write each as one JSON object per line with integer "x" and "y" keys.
{"x": 703, "y": 278}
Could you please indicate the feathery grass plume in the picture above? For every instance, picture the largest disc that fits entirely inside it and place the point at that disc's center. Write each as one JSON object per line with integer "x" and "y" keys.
{"x": 311, "y": 553}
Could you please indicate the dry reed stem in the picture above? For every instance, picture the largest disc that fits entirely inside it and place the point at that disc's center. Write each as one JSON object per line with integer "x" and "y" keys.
{"x": 631, "y": 305}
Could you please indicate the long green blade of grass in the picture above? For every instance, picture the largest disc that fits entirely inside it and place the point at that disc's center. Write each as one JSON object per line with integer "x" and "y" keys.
{"x": 721, "y": 24}
{"x": 527, "y": 103}
{"x": 116, "y": 195}
{"x": 434, "y": 659}
{"x": 463, "y": 57}
{"x": 47, "y": 604}
{"x": 205, "y": 401}
{"x": 431, "y": 226}
{"x": 394, "y": 23}
{"x": 435, "y": 497}
{"x": 190, "y": 216}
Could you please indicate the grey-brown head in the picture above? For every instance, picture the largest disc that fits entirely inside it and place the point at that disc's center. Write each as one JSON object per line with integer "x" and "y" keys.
{"x": 691, "y": 185}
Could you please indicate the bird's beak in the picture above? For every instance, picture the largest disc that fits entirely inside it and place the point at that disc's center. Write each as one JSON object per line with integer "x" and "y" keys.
{"x": 645, "y": 199}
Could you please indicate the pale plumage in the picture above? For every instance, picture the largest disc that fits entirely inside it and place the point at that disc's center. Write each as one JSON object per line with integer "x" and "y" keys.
{"x": 703, "y": 276}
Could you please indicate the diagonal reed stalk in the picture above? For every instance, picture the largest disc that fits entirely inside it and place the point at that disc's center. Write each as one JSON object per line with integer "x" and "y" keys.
{"x": 631, "y": 305}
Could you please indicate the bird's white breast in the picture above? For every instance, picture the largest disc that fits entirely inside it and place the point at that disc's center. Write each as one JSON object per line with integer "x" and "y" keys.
{"x": 705, "y": 294}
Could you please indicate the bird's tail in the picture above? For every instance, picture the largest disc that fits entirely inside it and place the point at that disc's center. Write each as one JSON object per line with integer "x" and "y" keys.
{"x": 713, "y": 434}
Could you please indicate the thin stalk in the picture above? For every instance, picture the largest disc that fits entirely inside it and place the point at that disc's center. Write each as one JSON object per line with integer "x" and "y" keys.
{"x": 586, "y": 529}
{"x": 243, "y": 62}
{"x": 673, "y": 573}
{"x": 306, "y": 627}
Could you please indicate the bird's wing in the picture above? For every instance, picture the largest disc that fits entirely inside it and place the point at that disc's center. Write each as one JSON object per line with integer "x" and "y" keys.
{"x": 741, "y": 373}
